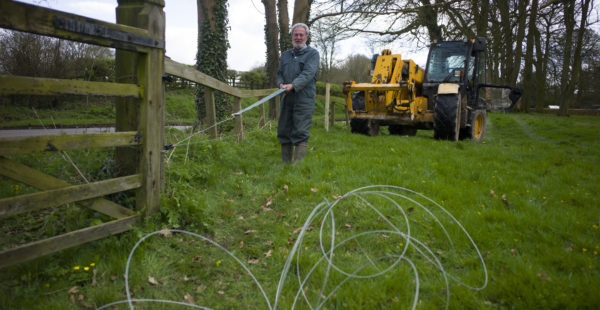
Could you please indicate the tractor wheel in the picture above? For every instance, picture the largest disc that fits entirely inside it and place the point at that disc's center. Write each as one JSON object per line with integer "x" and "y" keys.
{"x": 373, "y": 129}
{"x": 476, "y": 127}
{"x": 445, "y": 118}
{"x": 367, "y": 127}
{"x": 359, "y": 125}
{"x": 402, "y": 130}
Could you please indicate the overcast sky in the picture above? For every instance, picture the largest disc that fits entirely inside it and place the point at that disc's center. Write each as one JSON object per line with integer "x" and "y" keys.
{"x": 246, "y": 36}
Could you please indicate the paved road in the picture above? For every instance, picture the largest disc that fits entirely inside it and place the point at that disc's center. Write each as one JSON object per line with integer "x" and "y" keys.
{"x": 47, "y": 132}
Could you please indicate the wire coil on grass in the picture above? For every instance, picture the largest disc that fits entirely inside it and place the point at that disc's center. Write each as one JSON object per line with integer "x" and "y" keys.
{"x": 385, "y": 235}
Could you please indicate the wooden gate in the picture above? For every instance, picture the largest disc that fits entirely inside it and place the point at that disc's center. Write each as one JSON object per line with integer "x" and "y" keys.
{"x": 142, "y": 51}
{"x": 138, "y": 38}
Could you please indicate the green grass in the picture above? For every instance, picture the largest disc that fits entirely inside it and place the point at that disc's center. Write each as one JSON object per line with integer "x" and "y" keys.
{"x": 78, "y": 112}
{"x": 179, "y": 106}
{"x": 528, "y": 195}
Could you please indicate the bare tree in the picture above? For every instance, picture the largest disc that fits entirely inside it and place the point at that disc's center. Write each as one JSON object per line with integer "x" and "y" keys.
{"x": 326, "y": 35}
{"x": 548, "y": 19}
{"x": 271, "y": 32}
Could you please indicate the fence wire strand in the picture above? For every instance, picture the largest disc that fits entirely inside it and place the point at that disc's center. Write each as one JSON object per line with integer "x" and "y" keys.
{"x": 392, "y": 211}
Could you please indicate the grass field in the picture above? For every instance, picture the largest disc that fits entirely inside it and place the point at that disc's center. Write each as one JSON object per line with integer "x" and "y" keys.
{"x": 527, "y": 195}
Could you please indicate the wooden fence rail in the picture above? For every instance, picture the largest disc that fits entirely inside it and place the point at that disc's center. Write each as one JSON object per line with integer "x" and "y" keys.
{"x": 211, "y": 84}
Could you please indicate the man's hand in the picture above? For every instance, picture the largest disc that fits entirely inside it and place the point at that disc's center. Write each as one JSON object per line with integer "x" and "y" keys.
{"x": 288, "y": 87}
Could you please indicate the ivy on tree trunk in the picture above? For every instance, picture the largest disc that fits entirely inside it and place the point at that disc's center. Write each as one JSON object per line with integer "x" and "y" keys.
{"x": 212, "y": 53}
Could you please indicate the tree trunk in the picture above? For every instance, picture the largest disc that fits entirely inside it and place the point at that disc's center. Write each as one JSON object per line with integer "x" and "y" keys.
{"x": 516, "y": 45}
{"x": 480, "y": 14}
{"x": 212, "y": 53}
{"x": 541, "y": 64}
{"x": 495, "y": 49}
{"x": 428, "y": 16}
{"x": 528, "y": 71}
{"x": 578, "y": 47}
{"x": 301, "y": 11}
{"x": 569, "y": 20}
{"x": 285, "y": 41}
{"x": 505, "y": 40}
{"x": 271, "y": 33}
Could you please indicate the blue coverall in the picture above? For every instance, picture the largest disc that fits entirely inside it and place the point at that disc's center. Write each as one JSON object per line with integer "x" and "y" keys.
{"x": 299, "y": 68}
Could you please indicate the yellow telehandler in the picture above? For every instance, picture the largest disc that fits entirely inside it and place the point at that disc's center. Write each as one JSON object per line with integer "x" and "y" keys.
{"x": 450, "y": 96}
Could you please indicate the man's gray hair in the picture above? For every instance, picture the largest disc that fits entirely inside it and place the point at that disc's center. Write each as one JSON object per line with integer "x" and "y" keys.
{"x": 299, "y": 25}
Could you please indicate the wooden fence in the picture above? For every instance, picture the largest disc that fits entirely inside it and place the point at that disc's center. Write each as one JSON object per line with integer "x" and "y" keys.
{"x": 138, "y": 38}
{"x": 211, "y": 84}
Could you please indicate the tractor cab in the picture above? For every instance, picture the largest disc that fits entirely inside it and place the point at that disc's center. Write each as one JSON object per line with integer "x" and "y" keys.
{"x": 447, "y": 62}
{"x": 463, "y": 63}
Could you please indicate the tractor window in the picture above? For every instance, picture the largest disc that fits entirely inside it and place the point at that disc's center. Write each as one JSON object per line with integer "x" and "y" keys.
{"x": 471, "y": 69}
{"x": 481, "y": 78}
{"x": 445, "y": 61}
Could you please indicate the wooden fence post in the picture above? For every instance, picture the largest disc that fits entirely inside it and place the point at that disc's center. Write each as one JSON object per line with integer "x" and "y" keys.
{"x": 211, "y": 111}
{"x": 347, "y": 117}
{"x": 145, "y": 114}
{"x": 332, "y": 113}
{"x": 239, "y": 125}
{"x": 262, "y": 121}
{"x": 326, "y": 116}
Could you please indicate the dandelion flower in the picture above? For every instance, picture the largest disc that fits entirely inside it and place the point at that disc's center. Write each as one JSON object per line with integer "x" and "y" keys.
{"x": 76, "y": 268}
{"x": 86, "y": 268}
{"x": 92, "y": 264}
{"x": 218, "y": 262}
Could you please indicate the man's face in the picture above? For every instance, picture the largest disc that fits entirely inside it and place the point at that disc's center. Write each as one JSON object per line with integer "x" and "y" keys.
{"x": 299, "y": 37}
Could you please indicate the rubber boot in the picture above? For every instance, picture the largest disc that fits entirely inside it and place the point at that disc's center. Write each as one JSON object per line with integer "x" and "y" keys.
{"x": 300, "y": 151}
{"x": 286, "y": 153}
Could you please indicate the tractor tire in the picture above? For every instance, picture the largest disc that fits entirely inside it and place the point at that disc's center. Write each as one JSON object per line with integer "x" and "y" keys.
{"x": 366, "y": 127}
{"x": 475, "y": 129}
{"x": 359, "y": 125}
{"x": 445, "y": 118}
{"x": 402, "y": 130}
{"x": 373, "y": 128}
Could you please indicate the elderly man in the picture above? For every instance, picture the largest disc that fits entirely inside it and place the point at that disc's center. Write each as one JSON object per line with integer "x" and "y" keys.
{"x": 297, "y": 74}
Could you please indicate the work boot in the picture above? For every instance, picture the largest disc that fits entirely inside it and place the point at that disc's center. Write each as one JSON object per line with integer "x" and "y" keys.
{"x": 286, "y": 153}
{"x": 300, "y": 151}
